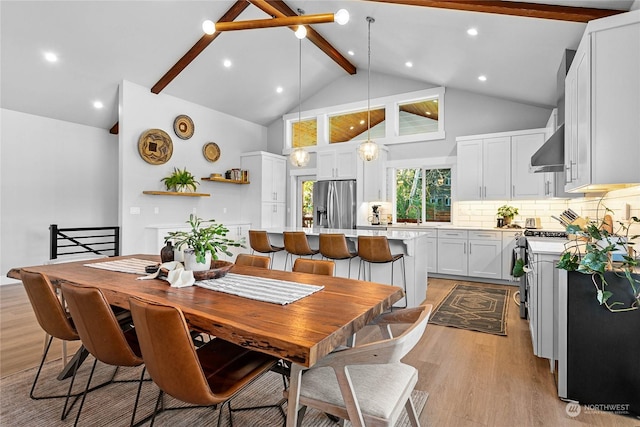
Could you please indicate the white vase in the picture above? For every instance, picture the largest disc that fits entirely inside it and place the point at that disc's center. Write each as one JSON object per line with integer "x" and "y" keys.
{"x": 190, "y": 262}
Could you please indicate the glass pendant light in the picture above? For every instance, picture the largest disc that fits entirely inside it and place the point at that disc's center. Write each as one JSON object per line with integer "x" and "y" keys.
{"x": 368, "y": 150}
{"x": 299, "y": 157}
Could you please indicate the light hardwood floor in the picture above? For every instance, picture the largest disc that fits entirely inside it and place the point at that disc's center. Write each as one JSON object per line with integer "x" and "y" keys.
{"x": 473, "y": 379}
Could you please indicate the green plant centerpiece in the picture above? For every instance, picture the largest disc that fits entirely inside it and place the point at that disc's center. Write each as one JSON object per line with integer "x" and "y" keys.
{"x": 596, "y": 250}
{"x": 180, "y": 180}
{"x": 507, "y": 212}
{"x": 206, "y": 239}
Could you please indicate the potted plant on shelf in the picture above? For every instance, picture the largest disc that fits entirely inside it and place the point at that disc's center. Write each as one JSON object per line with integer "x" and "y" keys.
{"x": 180, "y": 180}
{"x": 507, "y": 213}
{"x": 203, "y": 243}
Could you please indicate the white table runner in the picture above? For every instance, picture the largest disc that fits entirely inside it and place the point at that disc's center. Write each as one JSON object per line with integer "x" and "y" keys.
{"x": 259, "y": 288}
{"x": 129, "y": 265}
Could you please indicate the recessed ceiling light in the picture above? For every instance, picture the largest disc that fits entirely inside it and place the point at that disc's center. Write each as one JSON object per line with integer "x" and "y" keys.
{"x": 428, "y": 113}
{"x": 279, "y": 89}
{"x": 350, "y": 52}
{"x": 351, "y": 128}
{"x": 361, "y": 122}
{"x": 98, "y": 104}
{"x": 51, "y": 57}
{"x": 226, "y": 63}
{"x": 482, "y": 78}
{"x": 408, "y": 64}
{"x": 472, "y": 31}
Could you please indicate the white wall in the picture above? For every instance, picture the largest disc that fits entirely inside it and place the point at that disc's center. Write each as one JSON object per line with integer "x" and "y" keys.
{"x": 52, "y": 172}
{"x": 142, "y": 110}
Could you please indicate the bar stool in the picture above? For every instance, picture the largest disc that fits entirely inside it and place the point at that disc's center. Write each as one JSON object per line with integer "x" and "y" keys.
{"x": 334, "y": 246}
{"x": 259, "y": 242}
{"x": 296, "y": 243}
{"x": 375, "y": 249}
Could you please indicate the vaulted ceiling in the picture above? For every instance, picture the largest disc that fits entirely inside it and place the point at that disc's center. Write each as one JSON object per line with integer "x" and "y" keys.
{"x": 160, "y": 45}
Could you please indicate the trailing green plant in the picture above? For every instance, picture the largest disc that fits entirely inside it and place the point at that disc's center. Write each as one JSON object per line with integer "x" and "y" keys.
{"x": 180, "y": 180}
{"x": 594, "y": 250}
{"x": 204, "y": 236}
{"x": 506, "y": 211}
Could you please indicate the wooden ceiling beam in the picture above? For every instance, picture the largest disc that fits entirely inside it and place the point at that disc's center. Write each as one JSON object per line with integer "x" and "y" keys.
{"x": 285, "y": 21}
{"x": 528, "y": 10}
{"x": 279, "y": 9}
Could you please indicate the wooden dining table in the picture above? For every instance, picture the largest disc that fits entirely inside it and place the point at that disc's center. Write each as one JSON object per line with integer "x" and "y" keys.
{"x": 302, "y": 332}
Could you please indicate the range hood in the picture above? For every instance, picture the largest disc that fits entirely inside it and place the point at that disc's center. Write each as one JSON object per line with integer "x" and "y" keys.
{"x": 550, "y": 157}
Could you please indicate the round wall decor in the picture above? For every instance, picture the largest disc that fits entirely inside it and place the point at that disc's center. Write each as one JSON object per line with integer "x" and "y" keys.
{"x": 155, "y": 146}
{"x": 183, "y": 127}
{"x": 211, "y": 151}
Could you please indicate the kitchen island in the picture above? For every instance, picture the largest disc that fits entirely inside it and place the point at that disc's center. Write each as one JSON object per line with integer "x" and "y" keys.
{"x": 412, "y": 244}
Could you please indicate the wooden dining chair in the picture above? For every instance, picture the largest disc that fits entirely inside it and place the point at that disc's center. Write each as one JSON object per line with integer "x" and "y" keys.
{"x": 56, "y": 323}
{"x": 210, "y": 375}
{"x": 259, "y": 242}
{"x": 368, "y": 385}
{"x": 314, "y": 266}
{"x": 102, "y": 335}
{"x": 296, "y": 243}
{"x": 253, "y": 260}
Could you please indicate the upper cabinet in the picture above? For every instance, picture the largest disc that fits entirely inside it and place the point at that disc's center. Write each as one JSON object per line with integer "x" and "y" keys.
{"x": 602, "y": 93}
{"x": 496, "y": 166}
{"x": 336, "y": 164}
{"x": 268, "y": 174}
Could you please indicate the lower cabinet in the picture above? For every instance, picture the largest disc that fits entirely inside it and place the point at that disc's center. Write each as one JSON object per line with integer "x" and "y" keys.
{"x": 273, "y": 215}
{"x": 470, "y": 253}
{"x": 237, "y": 232}
{"x": 432, "y": 251}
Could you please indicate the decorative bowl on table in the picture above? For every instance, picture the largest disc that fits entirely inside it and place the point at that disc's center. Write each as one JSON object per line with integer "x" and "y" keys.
{"x": 218, "y": 269}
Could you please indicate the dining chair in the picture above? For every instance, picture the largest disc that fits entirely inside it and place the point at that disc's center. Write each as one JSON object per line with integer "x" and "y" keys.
{"x": 102, "y": 335}
{"x": 334, "y": 246}
{"x": 369, "y": 385}
{"x": 314, "y": 266}
{"x": 296, "y": 243}
{"x": 56, "y": 323}
{"x": 259, "y": 242}
{"x": 212, "y": 374}
{"x": 253, "y": 260}
{"x": 375, "y": 250}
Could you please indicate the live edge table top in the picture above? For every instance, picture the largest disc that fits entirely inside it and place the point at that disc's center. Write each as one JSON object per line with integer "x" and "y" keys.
{"x": 302, "y": 332}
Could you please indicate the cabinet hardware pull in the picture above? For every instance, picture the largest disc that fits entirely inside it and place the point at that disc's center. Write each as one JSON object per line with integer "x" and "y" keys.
{"x": 480, "y": 191}
{"x": 513, "y": 191}
{"x": 469, "y": 248}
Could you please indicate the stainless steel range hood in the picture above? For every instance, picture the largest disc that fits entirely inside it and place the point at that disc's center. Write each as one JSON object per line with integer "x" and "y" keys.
{"x": 550, "y": 157}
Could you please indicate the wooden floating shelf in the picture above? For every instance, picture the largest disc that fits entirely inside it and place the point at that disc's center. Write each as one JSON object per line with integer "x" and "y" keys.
{"x": 228, "y": 181}
{"x": 175, "y": 193}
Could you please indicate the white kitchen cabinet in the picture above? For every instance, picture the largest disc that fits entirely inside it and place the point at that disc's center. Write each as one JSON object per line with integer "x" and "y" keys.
{"x": 524, "y": 183}
{"x": 336, "y": 164}
{"x": 236, "y": 232}
{"x": 265, "y": 203}
{"x": 484, "y": 169}
{"x": 485, "y": 254}
{"x": 496, "y": 166}
{"x": 602, "y": 130}
{"x": 432, "y": 250}
{"x": 452, "y": 252}
{"x": 373, "y": 178}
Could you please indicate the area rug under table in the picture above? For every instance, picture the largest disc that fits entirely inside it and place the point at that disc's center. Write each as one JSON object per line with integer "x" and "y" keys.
{"x": 475, "y": 308}
{"x": 111, "y": 405}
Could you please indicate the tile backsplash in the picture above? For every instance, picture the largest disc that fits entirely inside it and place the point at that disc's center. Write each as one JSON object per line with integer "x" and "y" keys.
{"x": 483, "y": 213}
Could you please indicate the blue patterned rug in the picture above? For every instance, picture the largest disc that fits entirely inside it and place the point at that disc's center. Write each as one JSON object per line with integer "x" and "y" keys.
{"x": 475, "y": 308}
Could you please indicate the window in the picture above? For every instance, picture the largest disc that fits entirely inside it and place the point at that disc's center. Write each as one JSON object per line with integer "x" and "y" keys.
{"x": 418, "y": 117}
{"x": 353, "y": 126}
{"x": 423, "y": 195}
{"x": 305, "y": 133}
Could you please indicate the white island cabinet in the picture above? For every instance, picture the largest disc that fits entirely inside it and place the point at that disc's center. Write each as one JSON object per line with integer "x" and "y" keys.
{"x": 413, "y": 244}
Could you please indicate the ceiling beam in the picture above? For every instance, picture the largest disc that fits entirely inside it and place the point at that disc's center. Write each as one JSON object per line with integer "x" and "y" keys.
{"x": 285, "y": 21}
{"x": 231, "y": 14}
{"x": 528, "y": 10}
{"x": 279, "y": 9}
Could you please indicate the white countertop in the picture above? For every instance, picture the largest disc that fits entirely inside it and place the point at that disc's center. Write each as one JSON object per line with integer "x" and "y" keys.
{"x": 390, "y": 234}
{"x": 546, "y": 245}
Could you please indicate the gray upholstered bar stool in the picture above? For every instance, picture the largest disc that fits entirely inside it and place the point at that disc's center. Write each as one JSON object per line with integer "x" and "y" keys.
{"x": 259, "y": 242}
{"x": 375, "y": 250}
{"x": 296, "y": 243}
{"x": 334, "y": 247}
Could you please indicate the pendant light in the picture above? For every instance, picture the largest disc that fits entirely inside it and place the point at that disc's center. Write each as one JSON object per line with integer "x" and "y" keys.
{"x": 368, "y": 150}
{"x": 299, "y": 157}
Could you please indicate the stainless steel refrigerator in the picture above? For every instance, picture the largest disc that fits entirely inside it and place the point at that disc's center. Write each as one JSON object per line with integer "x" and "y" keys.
{"x": 334, "y": 204}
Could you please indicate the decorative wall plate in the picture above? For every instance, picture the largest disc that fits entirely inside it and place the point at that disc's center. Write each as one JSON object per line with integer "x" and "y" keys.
{"x": 183, "y": 127}
{"x": 211, "y": 151}
{"x": 155, "y": 146}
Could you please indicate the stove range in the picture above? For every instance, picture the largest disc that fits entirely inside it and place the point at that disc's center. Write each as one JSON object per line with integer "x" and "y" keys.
{"x": 545, "y": 233}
